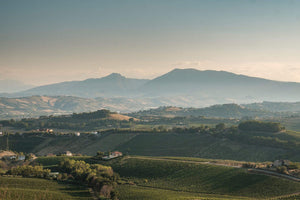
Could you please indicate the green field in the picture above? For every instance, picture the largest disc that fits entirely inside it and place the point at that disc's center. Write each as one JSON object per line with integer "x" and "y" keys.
{"x": 16, "y": 188}
{"x": 189, "y": 178}
{"x": 201, "y": 179}
{"x": 254, "y": 146}
{"x": 147, "y": 193}
{"x": 204, "y": 146}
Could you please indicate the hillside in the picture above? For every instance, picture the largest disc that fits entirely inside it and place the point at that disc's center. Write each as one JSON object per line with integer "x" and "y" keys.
{"x": 248, "y": 146}
{"x": 87, "y": 121}
{"x": 218, "y": 111}
{"x": 171, "y": 178}
{"x": 12, "y": 188}
{"x": 35, "y": 106}
{"x": 201, "y": 179}
{"x": 275, "y": 106}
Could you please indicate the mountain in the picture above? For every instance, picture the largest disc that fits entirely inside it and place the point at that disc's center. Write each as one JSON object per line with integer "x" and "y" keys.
{"x": 8, "y": 86}
{"x": 221, "y": 86}
{"x": 113, "y": 85}
{"x": 179, "y": 87}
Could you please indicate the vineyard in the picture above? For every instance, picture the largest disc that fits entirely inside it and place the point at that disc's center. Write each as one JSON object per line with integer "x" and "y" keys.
{"x": 12, "y": 188}
{"x": 202, "y": 178}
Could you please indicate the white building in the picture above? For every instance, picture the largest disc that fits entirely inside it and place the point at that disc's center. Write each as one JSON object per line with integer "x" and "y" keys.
{"x": 77, "y": 134}
{"x": 21, "y": 157}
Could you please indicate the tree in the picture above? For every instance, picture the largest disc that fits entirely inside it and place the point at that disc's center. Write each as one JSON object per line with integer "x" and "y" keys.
{"x": 100, "y": 154}
{"x": 220, "y": 126}
{"x": 282, "y": 170}
{"x": 253, "y": 125}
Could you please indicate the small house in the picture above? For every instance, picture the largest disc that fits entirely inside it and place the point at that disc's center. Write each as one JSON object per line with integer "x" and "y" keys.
{"x": 279, "y": 163}
{"x": 21, "y": 157}
{"x": 53, "y": 174}
{"x": 116, "y": 153}
{"x": 112, "y": 155}
{"x": 66, "y": 153}
{"x": 77, "y": 134}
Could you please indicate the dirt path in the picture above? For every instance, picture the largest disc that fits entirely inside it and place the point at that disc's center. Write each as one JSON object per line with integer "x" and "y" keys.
{"x": 266, "y": 172}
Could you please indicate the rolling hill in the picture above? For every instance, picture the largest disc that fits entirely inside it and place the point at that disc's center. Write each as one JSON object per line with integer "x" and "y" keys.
{"x": 275, "y": 106}
{"x": 257, "y": 146}
{"x": 35, "y": 106}
{"x": 202, "y": 179}
{"x": 218, "y": 111}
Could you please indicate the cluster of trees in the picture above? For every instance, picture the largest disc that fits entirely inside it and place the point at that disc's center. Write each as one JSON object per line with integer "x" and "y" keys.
{"x": 218, "y": 129}
{"x": 92, "y": 115}
{"x": 30, "y": 171}
{"x": 101, "y": 178}
{"x": 253, "y": 125}
{"x": 282, "y": 170}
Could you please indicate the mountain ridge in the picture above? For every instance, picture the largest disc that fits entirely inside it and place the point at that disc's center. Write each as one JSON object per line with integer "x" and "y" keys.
{"x": 179, "y": 87}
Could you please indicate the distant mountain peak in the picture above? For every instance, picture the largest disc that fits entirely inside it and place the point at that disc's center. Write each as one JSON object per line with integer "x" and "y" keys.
{"x": 114, "y": 76}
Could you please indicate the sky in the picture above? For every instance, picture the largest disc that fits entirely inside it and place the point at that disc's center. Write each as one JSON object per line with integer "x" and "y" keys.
{"x": 44, "y": 42}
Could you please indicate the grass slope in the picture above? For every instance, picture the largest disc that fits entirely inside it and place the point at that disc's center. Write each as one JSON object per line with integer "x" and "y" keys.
{"x": 205, "y": 146}
{"x": 147, "y": 193}
{"x": 202, "y": 178}
{"x": 165, "y": 144}
{"x": 12, "y": 188}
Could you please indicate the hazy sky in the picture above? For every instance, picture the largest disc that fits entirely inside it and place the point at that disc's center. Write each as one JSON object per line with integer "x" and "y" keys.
{"x": 51, "y": 41}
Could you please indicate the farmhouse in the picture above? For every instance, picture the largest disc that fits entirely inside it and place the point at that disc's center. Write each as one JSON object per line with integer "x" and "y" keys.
{"x": 112, "y": 155}
{"x": 116, "y": 153}
{"x": 77, "y": 134}
{"x": 54, "y": 174}
{"x": 66, "y": 153}
{"x": 21, "y": 157}
{"x": 278, "y": 163}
